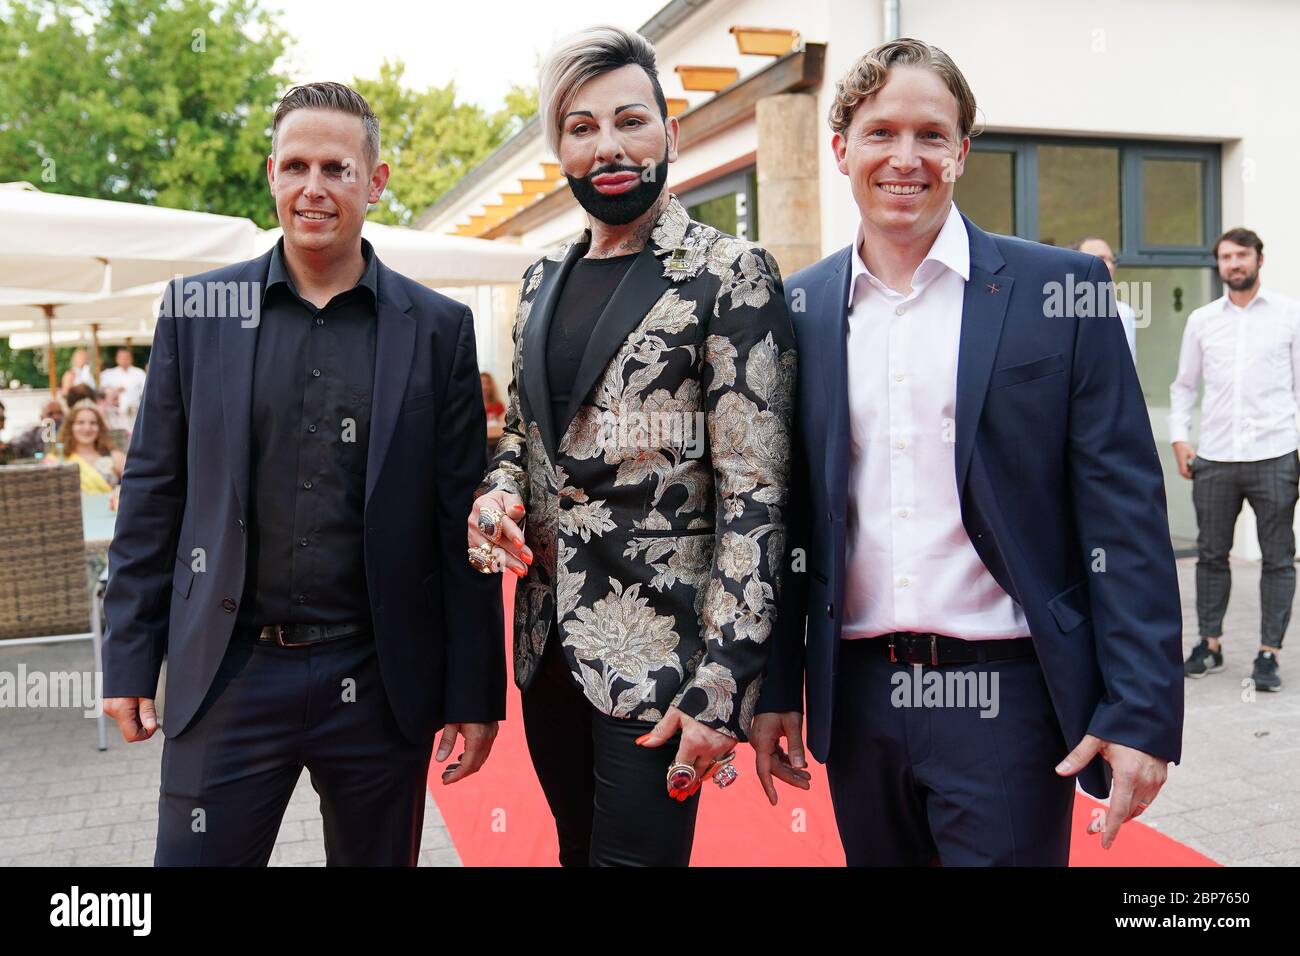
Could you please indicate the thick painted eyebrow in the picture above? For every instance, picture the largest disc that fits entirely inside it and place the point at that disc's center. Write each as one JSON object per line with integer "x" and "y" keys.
{"x": 617, "y": 110}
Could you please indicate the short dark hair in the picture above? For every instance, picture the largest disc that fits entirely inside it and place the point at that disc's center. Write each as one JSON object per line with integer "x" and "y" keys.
{"x": 1077, "y": 245}
{"x": 1242, "y": 237}
{"x": 80, "y": 393}
{"x": 330, "y": 96}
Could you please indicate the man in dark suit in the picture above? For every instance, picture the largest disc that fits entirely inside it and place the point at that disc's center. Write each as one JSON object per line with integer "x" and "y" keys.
{"x": 990, "y": 600}
{"x": 291, "y": 528}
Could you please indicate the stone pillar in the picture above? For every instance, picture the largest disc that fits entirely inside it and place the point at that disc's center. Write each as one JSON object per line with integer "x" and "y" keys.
{"x": 789, "y": 204}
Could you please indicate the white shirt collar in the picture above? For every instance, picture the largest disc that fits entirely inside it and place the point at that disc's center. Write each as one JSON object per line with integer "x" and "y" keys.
{"x": 951, "y": 249}
{"x": 1262, "y": 295}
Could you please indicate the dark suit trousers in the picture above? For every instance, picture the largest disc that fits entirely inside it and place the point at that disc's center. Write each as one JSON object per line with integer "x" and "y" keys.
{"x": 271, "y": 711}
{"x": 917, "y": 786}
{"x": 609, "y": 797}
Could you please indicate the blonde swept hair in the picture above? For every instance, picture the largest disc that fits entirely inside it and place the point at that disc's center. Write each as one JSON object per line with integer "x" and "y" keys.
{"x": 871, "y": 72}
{"x": 585, "y": 55}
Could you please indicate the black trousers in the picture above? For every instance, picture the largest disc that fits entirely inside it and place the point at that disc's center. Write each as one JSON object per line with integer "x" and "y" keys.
{"x": 1218, "y": 489}
{"x": 916, "y": 785}
{"x": 609, "y": 797}
{"x": 271, "y": 712}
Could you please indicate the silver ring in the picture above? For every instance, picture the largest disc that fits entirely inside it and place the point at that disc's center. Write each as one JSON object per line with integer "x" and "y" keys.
{"x": 726, "y": 775}
{"x": 489, "y": 522}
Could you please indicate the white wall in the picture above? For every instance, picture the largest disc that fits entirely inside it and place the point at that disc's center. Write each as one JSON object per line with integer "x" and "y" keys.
{"x": 1204, "y": 70}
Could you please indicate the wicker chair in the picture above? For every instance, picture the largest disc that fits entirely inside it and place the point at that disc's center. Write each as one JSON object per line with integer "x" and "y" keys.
{"x": 45, "y": 595}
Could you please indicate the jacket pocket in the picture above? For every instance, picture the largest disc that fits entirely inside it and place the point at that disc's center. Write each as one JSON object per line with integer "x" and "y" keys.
{"x": 418, "y": 402}
{"x": 182, "y": 577}
{"x": 1070, "y": 607}
{"x": 1027, "y": 371}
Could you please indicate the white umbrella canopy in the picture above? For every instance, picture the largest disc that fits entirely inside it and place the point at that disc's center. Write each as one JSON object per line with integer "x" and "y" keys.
{"x": 437, "y": 260}
{"x": 138, "y": 333}
{"x": 78, "y": 245}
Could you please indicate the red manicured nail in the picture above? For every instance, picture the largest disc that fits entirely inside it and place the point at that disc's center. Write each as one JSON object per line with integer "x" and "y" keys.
{"x": 641, "y": 738}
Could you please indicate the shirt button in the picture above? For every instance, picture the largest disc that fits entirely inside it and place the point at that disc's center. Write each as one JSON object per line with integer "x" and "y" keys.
{"x": 228, "y": 604}
{"x": 904, "y": 583}
{"x": 903, "y": 512}
{"x": 315, "y": 373}
{"x": 307, "y": 485}
{"x": 898, "y": 376}
{"x": 302, "y": 542}
{"x": 899, "y": 311}
{"x": 302, "y": 599}
{"x": 900, "y": 444}
{"x": 320, "y": 321}
{"x": 312, "y": 429}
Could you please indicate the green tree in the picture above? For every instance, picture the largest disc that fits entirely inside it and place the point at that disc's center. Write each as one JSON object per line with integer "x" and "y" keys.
{"x": 430, "y": 139}
{"x": 166, "y": 102}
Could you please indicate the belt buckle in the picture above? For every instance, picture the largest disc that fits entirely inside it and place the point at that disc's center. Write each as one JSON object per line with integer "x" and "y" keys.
{"x": 279, "y": 637}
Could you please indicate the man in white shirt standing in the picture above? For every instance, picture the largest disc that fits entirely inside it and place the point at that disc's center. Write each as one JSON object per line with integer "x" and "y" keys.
{"x": 1244, "y": 346}
{"x": 127, "y": 383}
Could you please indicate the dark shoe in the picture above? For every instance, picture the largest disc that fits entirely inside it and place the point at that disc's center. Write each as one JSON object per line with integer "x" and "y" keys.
{"x": 1202, "y": 661}
{"x": 1265, "y": 673}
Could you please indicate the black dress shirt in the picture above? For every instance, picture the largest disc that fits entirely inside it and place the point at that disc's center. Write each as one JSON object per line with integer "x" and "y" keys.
{"x": 312, "y": 381}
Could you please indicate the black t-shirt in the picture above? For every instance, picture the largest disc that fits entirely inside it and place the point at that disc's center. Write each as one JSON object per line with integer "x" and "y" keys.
{"x": 586, "y": 292}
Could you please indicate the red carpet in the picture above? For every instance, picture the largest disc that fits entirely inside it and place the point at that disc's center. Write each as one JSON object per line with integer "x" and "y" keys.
{"x": 499, "y": 817}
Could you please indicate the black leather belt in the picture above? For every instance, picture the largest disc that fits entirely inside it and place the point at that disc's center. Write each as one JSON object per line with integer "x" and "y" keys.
{"x": 303, "y": 635}
{"x": 906, "y": 647}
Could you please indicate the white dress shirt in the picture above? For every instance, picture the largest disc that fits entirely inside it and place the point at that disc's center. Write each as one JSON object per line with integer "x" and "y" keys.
{"x": 131, "y": 381}
{"x": 1249, "y": 360}
{"x": 1129, "y": 318}
{"x": 911, "y": 565}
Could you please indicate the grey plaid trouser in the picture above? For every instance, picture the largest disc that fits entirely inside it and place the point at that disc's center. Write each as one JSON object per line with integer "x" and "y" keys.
{"x": 1218, "y": 489}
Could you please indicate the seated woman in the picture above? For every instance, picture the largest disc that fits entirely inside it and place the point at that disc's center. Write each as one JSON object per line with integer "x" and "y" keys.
{"x": 86, "y": 443}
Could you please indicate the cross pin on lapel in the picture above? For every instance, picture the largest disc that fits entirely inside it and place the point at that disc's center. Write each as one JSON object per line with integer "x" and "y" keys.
{"x": 992, "y": 287}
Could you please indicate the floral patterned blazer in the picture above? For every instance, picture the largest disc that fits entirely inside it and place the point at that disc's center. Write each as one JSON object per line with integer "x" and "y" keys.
{"x": 654, "y": 513}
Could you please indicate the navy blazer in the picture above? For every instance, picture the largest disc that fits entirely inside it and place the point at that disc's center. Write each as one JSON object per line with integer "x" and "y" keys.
{"x": 1060, "y": 487}
{"x": 437, "y": 622}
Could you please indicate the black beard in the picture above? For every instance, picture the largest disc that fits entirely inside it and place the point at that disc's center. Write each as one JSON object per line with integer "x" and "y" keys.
{"x": 1244, "y": 283}
{"x": 625, "y": 207}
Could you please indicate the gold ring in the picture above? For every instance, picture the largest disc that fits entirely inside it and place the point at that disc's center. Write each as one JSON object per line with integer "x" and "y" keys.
{"x": 482, "y": 559}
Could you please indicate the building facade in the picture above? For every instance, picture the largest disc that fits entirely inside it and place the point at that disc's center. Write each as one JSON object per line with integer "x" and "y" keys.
{"x": 1155, "y": 125}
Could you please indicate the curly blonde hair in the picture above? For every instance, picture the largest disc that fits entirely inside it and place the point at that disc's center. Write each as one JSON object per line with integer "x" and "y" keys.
{"x": 871, "y": 72}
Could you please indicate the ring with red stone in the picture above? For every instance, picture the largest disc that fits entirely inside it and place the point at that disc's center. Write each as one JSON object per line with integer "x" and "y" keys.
{"x": 680, "y": 776}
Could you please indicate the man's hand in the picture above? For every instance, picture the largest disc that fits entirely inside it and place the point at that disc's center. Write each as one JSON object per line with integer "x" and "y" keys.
{"x": 478, "y": 744}
{"x": 699, "y": 748}
{"x": 769, "y": 759}
{"x": 511, "y": 552}
{"x": 1137, "y": 779}
{"x": 1184, "y": 453}
{"x": 135, "y": 717}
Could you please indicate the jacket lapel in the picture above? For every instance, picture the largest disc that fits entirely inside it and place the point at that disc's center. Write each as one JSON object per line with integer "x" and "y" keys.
{"x": 238, "y": 348}
{"x": 984, "y": 307}
{"x": 394, "y": 353}
{"x": 535, "y": 396}
{"x": 835, "y": 377}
